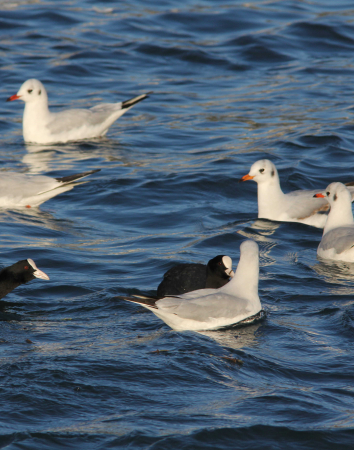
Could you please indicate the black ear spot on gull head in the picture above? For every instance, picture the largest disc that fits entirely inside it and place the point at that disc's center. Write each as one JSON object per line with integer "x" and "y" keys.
{"x": 335, "y": 197}
{"x": 273, "y": 173}
{"x": 39, "y": 93}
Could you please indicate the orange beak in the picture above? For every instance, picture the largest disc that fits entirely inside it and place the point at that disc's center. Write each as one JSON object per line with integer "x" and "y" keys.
{"x": 245, "y": 178}
{"x": 319, "y": 195}
{"x": 13, "y": 97}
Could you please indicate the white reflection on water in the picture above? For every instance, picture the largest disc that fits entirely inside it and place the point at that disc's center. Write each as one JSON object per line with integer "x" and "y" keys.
{"x": 264, "y": 229}
{"x": 35, "y": 217}
{"x": 337, "y": 272}
{"x": 45, "y": 158}
{"x": 235, "y": 338}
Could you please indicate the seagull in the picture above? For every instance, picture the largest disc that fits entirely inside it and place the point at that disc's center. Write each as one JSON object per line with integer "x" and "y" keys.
{"x": 211, "y": 309}
{"x": 18, "y": 190}
{"x": 19, "y": 273}
{"x": 41, "y": 126}
{"x": 297, "y": 206}
{"x": 190, "y": 277}
{"x": 338, "y": 235}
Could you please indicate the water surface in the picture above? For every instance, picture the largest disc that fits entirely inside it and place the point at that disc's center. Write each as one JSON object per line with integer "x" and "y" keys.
{"x": 233, "y": 82}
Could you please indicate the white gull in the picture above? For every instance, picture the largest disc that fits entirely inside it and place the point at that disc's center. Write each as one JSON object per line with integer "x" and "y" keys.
{"x": 338, "y": 235}
{"x": 21, "y": 190}
{"x": 42, "y": 126}
{"x": 297, "y": 206}
{"x": 210, "y": 309}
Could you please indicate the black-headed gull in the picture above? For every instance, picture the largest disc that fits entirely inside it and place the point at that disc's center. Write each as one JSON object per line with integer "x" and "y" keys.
{"x": 41, "y": 126}
{"x": 19, "y": 273}
{"x": 210, "y": 309}
{"x": 297, "y": 206}
{"x": 19, "y": 190}
{"x": 191, "y": 277}
{"x": 338, "y": 235}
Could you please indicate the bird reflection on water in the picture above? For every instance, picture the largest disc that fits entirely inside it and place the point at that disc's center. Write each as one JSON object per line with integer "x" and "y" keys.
{"x": 337, "y": 272}
{"x": 236, "y": 337}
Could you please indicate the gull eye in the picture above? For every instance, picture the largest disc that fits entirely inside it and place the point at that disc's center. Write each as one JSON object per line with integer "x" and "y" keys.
{"x": 261, "y": 170}
{"x": 26, "y": 267}
{"x": 30, "y": 91}
{"x": 219, "y": 263}
{"x": 328, "y": 193}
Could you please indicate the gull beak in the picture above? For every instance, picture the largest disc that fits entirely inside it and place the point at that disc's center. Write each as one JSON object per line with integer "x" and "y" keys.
{"x": 245, "y": 178}
{"x": 13, "y": 97}
{"x": 319, "y": 195}
{"x": 230, "y": 273}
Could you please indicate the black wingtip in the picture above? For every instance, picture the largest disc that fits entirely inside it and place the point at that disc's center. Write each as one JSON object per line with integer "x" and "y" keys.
{"x": 133, "y": 101}
{"x": 77, "y": 176}
{"x": 139, "y": 300}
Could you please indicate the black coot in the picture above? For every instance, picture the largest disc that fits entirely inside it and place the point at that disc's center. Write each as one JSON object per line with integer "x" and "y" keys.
{"x": 190, "y": 277}
{"x": 17, "y": 274}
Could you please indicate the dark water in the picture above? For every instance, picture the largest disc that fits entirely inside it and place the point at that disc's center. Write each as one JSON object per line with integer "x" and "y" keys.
{"x": 233, "y": 82}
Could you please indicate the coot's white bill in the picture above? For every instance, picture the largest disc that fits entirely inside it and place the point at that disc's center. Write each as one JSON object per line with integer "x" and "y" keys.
{"x": 37, "y": 273}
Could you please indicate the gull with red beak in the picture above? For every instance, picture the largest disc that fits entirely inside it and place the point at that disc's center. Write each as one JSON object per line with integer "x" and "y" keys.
{"x": 42, "y": 126}
{"x": 338, "y": 235}
{"x": 297, "y": 206}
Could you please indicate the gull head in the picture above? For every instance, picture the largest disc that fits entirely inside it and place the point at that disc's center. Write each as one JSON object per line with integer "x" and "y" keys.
{"x": 261, "y": 171}
{"x": 249, "y": 248}
{"x": 30, "y": 92}
{"x": 335, "y": 193}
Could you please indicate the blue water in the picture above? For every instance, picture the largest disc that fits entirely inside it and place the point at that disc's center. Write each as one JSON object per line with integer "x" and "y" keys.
{"x": 233, "y": 82}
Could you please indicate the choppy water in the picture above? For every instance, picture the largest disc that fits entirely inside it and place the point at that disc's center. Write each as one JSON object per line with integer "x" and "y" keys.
{"x": 232, "y": 82}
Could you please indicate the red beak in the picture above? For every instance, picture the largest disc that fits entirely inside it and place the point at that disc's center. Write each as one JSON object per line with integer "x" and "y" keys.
{"x": 245, "y": 178}
{"x": 319, "y": 196}
{"x": 13, "y": 97}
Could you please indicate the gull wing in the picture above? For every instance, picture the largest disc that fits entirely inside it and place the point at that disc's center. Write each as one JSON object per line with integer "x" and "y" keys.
{"x": 203, "y": 308}
{"x": 341, "y": 239}
{"x": 19, "y": 185}
{"x": 303, "y": 204}
{"x": 70, "y": 119}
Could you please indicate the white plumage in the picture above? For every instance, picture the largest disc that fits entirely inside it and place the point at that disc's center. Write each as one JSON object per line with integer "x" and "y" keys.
{"x": 209, "y": 309}
{"x": 42, "y": 126}
{"x": 21, "y": 190}
{"x": 338, "y": 235}
{"x": 297, "y": 206}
